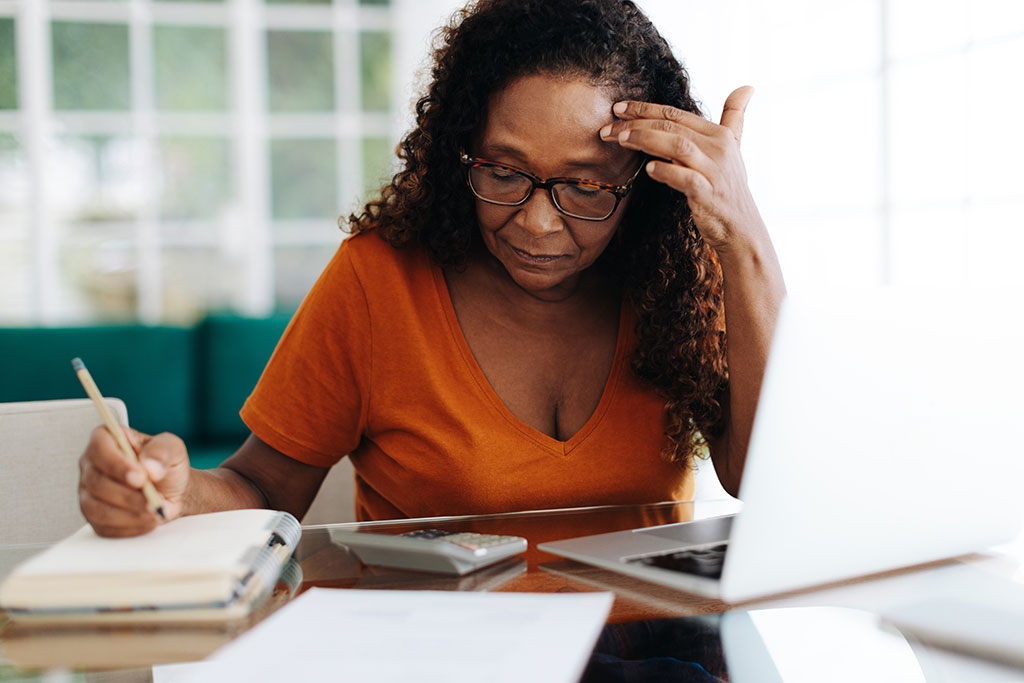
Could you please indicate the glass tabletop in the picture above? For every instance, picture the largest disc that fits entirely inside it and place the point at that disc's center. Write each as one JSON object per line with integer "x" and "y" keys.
{"x": 325, "y": 563}
{"x": 651, "y": 629}
{"x": 319, "y": 561}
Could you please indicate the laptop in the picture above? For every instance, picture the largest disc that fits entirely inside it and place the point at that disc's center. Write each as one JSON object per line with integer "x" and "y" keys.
{"x": 889, "y": 433}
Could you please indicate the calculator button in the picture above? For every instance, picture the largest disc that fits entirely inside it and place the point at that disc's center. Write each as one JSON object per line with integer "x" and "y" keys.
{"x": 428, "y": 533}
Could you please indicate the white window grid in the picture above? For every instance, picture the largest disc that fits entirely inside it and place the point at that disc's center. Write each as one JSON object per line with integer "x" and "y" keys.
{"x": 247, "y": 123}
{"x": 879, "y": 144}
{"x": 722, "y": 46}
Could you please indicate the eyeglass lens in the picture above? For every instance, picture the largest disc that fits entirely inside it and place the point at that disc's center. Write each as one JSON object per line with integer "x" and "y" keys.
{"x": 508, "y": 187}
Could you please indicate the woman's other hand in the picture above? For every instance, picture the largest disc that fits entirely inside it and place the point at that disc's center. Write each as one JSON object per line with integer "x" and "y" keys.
{"x": 699, "y": 158}
{"x": 110, "y": 485}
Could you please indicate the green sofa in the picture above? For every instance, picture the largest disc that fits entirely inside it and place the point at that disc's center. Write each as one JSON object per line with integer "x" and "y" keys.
{"x": 187, "y": 380}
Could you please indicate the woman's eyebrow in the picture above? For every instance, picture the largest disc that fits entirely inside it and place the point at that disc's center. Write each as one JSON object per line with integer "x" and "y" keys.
{"x": 588, "y": 165}
{"x": 495, "y": 149}
{"x": 518, "y": 158}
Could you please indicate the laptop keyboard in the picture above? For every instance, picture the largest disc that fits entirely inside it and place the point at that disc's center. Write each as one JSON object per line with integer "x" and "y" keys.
{"x": 706, "y": 561}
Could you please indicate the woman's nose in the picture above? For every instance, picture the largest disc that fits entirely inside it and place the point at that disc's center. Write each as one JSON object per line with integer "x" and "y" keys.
{"x": 538, "y": 215}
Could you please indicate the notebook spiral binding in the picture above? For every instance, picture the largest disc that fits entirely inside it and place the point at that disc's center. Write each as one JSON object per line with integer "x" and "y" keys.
{"x": 266, "y": 567}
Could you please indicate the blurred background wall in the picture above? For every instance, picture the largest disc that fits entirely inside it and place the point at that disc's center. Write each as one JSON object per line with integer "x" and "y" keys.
{"x": 163, "y": 159}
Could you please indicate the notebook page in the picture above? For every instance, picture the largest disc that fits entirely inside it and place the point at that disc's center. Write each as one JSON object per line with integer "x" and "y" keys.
{"x": 198, "y": 543}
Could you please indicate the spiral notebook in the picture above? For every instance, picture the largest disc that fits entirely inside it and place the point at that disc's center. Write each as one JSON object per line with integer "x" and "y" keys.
{"x": 201, "y": 568}
{"x": 91, "y": 646}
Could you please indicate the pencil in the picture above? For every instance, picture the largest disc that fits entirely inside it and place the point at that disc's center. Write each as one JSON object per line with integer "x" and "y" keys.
{"x": 156, "y": 503}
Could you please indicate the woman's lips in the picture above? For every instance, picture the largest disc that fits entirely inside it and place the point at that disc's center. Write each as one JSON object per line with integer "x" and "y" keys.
{"x": 535, "y": 258}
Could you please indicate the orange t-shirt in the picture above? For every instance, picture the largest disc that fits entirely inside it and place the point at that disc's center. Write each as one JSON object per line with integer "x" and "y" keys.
{"x": 374, "y": 365}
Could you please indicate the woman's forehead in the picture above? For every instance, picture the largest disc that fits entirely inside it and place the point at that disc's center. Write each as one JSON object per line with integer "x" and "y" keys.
{"x": 545, "y": 116}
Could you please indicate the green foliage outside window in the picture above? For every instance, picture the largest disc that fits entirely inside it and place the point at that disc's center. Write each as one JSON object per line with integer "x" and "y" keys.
{"x": 8, "y": 66}
{"x": 195, "y": 176}
{"x": 192, "y": 177}
{"x": 300, "y": 71}
{"x": 304, "y": 178}
{"x": 378, "y": 163}
{"x": 296, "y": 269}
{"x": 190, "y": 68}
{"x": 91, "y": 66}
{"x": 375, "y": 63}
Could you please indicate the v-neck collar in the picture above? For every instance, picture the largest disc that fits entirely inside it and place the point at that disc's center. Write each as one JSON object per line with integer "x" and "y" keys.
{"x": 552, "y": 444}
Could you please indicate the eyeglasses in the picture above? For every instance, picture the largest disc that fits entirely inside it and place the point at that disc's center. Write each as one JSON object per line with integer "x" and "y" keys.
{"x": 505, "y": 185}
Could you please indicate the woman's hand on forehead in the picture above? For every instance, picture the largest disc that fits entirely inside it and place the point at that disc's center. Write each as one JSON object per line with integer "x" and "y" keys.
{"x": 697, "y": 157}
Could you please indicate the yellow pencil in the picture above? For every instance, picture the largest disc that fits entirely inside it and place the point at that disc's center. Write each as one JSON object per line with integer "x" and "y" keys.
{"x": 156, "y": 503}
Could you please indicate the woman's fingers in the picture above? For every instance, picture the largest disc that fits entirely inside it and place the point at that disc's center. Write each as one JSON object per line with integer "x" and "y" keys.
{"x": 696, "y": 157}
{"x": 109, "y": 520}
{"x": 103, "y": 454}
{"x": 630, "y": 110}
{"x": 678, "y": 146}
{"x": 732, "y": 115}
{"x": 694, "y": 185}
{"x": 114, "y": 492}
{"x": 735, "y": 109}
{"x": 110, "y": 482}
{"x": 113, "y": 508}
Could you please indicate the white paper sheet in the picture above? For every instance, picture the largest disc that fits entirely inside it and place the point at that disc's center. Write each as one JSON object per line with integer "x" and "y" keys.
{"x": 443, "y": 636}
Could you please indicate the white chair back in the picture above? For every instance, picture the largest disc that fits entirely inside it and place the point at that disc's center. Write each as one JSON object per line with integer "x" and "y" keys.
{"x": 40, "y": 443}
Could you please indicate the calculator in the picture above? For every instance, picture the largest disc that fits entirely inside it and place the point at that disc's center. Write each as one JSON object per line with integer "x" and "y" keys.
{"x": 430, "y": 550}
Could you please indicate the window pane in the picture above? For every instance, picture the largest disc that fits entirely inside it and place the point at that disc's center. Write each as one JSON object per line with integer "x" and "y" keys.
{"x": 197, "y": 280}
{"x": 190, "y": 68}
{"x": 98, "y": 177}
{"x": 195, "y": 176}
{"x": 928, "y": 154}
{"x": 928, "y": 245}
{"x": 839, "y": 169}
{"x": 8, "y": 66}
{"x": 295, "y": 271}
{"x": 304, "y": 176}
{"x": 993, "y": 131}
{"x": 15, "y": 254}
{"x": 988, "y": 225}
{"x": 845, "y": 40}
{"x": 99, "y": 280}
{"x": 375, "y": 65}
{"x": 14, "y": 188}
{"x": 301, "y": 71}
{"x": 90, "y": 66}
{"x": 926, "y": 27}
{"x": 829, "y": 248}
{"x": 378, "y": 158}
{"x": 15, "y": 259}
{"x": 995, "y": 18}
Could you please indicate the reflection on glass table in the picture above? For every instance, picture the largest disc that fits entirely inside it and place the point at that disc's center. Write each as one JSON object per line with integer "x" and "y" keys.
{"x": 758, "y": 646}
{"x": 97, "y": 648}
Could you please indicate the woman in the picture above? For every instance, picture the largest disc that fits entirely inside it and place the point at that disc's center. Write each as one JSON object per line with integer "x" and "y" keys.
{"x": 534, "y": 312}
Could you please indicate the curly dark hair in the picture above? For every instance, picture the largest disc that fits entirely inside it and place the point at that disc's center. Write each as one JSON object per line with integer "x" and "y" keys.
{"x": 667, "y": 272}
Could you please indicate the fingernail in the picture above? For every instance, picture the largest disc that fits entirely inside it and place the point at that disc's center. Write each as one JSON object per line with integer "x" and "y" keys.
{"x": 619, "y": 108}
{"x": 606, "y": 131}
{"x": 135, "y": 478}
{"x": 156, "y": 469}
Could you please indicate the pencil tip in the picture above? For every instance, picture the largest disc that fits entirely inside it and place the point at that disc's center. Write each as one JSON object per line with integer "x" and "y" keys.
{"x": 77, "y": 364}
{"x": 160, "y": 514}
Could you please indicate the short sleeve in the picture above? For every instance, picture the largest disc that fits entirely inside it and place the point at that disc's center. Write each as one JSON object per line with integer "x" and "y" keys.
{"x": 311, "y": 402}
